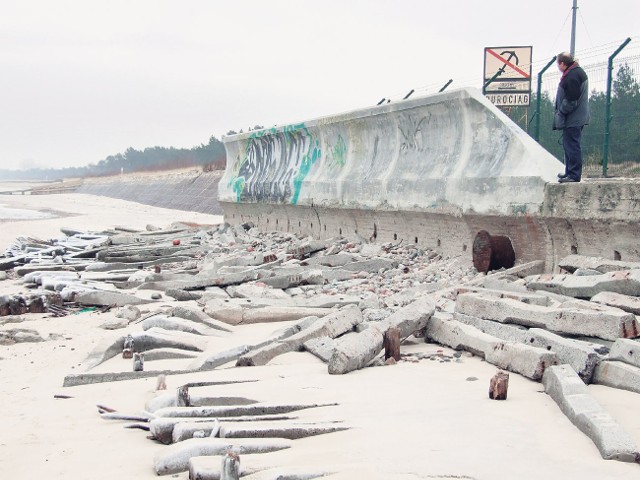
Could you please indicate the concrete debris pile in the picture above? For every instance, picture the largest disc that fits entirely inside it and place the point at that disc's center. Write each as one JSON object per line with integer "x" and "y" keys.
{"x": 201, "y": 430}
{"x": 348, "y": 302}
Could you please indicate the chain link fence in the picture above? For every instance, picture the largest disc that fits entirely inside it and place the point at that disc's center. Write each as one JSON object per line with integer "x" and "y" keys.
{"x": 624, "y": 128}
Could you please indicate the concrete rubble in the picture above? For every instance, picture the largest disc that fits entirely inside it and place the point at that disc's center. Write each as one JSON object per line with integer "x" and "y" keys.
{"x": 570, "y": 393}
{"x": 340, "y": 297}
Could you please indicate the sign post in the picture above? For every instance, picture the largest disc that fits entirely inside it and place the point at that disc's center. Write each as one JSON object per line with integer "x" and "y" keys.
{"x": 507, "y": 75}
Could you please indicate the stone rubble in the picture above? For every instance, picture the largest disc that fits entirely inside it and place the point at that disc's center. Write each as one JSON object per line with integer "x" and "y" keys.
{"x": 344, "y": 294}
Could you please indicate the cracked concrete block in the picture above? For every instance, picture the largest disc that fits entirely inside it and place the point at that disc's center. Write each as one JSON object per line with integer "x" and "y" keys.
{"x": 618, "y": 375}
{"x": 525, "y": 296}
{"x": 624, "y": 282}
{"x": 623, "y": 302}
{"x": 512, "y": 356}
{"x": 356, "y": 351}
{"x": 181, "y": 325}
{"x": 276, "y": 430}
{"x": 199, "y": 316}
{"x": 175, "y": 458}
{"x": 627, "y": 351}
{"x": 602, "y": 322}
{"x": 336, "y": 260}
{"x": 321, "y": 347}
{"x": 105, "y": 298}
{"x": 510, "y": 333}
{"x": 332, "y": 325}
{"x": 572, "y": 263}
{"x": 564, "y": 386}
{"x": 370, "y": 266}
{"x": 248, "y": 290}
{"x": 579, "y": 355}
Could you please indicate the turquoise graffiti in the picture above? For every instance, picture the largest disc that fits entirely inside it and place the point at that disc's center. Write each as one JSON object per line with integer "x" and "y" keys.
{"x": 274, "y": 163}
{"x": 337, "y": 153}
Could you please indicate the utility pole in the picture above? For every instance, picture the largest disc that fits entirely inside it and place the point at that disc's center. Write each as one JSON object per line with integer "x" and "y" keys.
{"x": 573, "y": 27}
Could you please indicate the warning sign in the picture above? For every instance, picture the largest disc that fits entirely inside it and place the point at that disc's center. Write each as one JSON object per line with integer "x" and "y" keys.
{"x": 507, "y": 75}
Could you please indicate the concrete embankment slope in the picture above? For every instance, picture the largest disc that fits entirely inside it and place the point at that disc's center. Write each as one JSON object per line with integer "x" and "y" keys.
{"x": 193, "y": 191}
{"x": 433, "y": 171}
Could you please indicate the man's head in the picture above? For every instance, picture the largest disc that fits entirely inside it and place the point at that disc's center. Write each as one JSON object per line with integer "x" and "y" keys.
{"x": 565, "y": 60}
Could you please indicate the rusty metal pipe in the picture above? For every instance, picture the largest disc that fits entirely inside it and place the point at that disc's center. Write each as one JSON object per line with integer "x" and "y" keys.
{"x": 492, "y": 252}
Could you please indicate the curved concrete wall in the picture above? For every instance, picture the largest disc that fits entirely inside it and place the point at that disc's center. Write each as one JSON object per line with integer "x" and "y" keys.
{"x": 191, "y": 191}
{"x": 430, "y": 171}
{"x": 448, "y": 153}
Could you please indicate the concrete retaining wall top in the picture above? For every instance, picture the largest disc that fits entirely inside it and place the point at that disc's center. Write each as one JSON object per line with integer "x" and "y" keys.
{"x": 449, "y": 153}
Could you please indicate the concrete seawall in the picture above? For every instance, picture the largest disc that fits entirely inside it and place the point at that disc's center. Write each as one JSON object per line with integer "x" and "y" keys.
{"x": 453, "y": 153}
{"x": 191, "y": 191}
{"x": 432, "y": 171}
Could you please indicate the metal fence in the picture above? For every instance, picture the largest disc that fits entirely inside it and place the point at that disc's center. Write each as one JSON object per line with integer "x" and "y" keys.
{"x": 609, "y": 149}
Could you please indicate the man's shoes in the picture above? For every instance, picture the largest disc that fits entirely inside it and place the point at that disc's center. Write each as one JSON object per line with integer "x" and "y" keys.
{"x": 562, "y": 175}
{"x": 568, "y": 180}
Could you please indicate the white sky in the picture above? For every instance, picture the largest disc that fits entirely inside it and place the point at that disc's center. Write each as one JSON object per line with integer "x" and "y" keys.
{"x": 84, "y": 79}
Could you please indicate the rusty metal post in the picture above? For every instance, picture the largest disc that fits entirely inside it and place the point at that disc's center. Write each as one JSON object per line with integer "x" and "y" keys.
{"x": 492, "y": 252}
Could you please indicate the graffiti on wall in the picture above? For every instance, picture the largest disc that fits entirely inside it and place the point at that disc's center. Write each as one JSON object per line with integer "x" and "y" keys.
{"x": 274, "y": 164}
{"x": 337, "y": 154}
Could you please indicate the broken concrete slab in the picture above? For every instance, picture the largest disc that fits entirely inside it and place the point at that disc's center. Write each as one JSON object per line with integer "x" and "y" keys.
{"x": 288, "y": 473}
{"x": 373, "y": 265}
{"x": 167, "y": 354}
{"x": 306, "y": 248}
{"x": 579, "y": 355}
{"x": 582, "y": 356}
{"x": 514, "y": 357}
{"x": 624, "y": 282}
{"x": 175, "y": 458}
{"x": 143, "y": 341}
{"x": 180, "y": 324}
{"x": 235, "y": 410}
{"x": 564, "y": 386}
{"x": 277, "y": 430}
{"x": 12, "y": 336}
{"x": 623, "y": 302}
{"x": 249, "y": 290}
{"x": 332, "y": 325}
{"x": 336, "y": 260}
{"x": 74, "y": 380}
{"x": 185, "y": 430}
{"x": 356, "y": 351}
{"x": 108, "y": 298}
{"x": 572, "y": 263}
{"x": 321, "y": 347}
{"x": 183, "y": 295}
{"x": 627, "y": 351}
{"x": 281, "y": 314}
{"x": 524, "y": 296}
{"x": 503, "y": 331}
{"x": 606, "y": 323}
{"x": 169, "y": 430}
{"x": 213, "y": 359}
{"x": 209, "y": 467}
{"x": 199, "y": 316}
{"x": 617, "y": 375}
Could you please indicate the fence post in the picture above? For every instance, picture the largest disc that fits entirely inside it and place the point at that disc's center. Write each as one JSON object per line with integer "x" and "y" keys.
{"x": 539, "y": 100}
{"x": 607, "y": 108}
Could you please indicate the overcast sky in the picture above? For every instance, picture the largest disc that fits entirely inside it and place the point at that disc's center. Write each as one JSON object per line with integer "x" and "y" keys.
{"x": 84, "y": 79}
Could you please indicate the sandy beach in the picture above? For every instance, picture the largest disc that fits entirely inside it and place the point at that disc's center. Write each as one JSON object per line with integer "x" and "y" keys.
{"x": 424, "y": 420}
